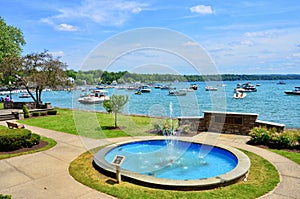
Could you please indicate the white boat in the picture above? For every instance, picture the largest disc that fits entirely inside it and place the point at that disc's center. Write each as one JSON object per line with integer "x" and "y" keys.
{"x": 247, "y": 87}
{"x": 296, "y": 91}
{"x": 194, "y": 86}
{"x": 211, "y": 88}
{"x": 177, "y": 93}
{"x": 187, "y": 90}
{"x": 239, "y": 95}
{"x": 145, "y": 89}
{"x": 97, "y": 97}
{"x": 24, "y": 95}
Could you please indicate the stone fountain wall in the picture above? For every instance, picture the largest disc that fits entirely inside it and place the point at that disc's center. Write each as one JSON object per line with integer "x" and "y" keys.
{"x": 226, "y": 122}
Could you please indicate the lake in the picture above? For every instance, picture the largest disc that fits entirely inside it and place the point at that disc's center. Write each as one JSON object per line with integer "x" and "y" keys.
{"x": 270, "y": 101}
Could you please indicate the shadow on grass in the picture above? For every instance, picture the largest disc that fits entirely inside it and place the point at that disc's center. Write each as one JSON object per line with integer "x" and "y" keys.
{"x": 111, "y": 182}
{"x": 111, "y": 128}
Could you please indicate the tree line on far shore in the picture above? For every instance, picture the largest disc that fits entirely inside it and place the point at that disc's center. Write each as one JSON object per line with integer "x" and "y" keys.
{"x": 105, "y": 77}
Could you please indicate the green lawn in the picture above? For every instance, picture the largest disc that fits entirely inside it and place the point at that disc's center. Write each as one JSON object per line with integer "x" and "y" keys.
{"x": 94, "y": 125}
{"x": 263, "y": 177}
{"x": 290, "y": 155}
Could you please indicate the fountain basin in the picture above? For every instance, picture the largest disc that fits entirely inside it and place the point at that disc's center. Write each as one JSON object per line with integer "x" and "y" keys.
{"x": 161, "y": 163}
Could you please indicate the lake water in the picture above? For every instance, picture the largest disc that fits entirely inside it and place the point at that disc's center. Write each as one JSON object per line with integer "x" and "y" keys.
{"x": 270, "y": 101}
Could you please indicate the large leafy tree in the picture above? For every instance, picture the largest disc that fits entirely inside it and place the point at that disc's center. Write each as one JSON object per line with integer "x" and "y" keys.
{"x": 11, "y": 40}
{"x": 39, "y": 71}
{"x": 115, "y": 105}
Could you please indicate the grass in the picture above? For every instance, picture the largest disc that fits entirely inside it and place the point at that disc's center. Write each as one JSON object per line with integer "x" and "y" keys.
{"x": 263, "y": 177}
{"x": 94, "y": 125}
{"x": 290, "y": 155}
{"x": 2, "y": 127}
{"x": 51, "y": 143}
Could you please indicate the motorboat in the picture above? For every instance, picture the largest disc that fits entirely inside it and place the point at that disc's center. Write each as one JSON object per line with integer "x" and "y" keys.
{"x": 281, "y": 82}
{"x": 194, "y": 87}
{"x": 187, "y": 89}
{"x": 24, "y": 95}
{"x": 167, "y": 87}
{"x": 96, "y": 97}
{"x": 211, "y": 88}
{"x": 158, "y": 86}
{"x": 145, "y": 89}
{"x": 246, "y": 87}
{"x": 239, "y": 95}
{"x": 296, "y": 91}
{"x": 240, "y": 90}
{"x": 177, "y": 93}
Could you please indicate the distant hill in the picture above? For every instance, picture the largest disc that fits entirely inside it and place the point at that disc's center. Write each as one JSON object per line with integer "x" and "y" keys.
{"x": 105, "y": 77}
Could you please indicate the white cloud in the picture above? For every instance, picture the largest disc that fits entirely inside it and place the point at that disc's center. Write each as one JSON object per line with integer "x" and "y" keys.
{"x": 201, "y": 9}
{"x": 296, "y": 54}
{"x": 104, "y": 12}
{"x": 267, "y": 33}
{"x": 57, "y": 53}
{"x": 136, "y": 10}
{"x": 66, "y": 27}
{"x": 247, "y": 43}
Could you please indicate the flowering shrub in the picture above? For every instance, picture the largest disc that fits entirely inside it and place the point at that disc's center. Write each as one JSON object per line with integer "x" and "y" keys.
{"x": 260, "y": 135}
{"x": 270, "y": 137}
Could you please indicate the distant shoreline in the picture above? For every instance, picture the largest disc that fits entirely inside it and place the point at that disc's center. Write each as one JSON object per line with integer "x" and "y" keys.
{"x": 105, "y": 77}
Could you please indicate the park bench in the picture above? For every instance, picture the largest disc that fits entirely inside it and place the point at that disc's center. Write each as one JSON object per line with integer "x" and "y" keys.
{"x": 12, "y": 125}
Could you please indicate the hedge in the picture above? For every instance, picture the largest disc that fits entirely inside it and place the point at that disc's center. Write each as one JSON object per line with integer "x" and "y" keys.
{"x": 13, "y": 139}
{"x": 5, "y": 196}
{"x": 26, "y": 111}
{"x": 52, "y": 112}
{"x": 288, "y": 139}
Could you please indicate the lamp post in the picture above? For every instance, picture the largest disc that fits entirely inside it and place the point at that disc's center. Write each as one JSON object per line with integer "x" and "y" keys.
{"x": 10, "y": 98}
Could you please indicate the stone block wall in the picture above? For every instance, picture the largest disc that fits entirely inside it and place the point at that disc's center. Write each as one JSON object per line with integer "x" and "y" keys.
{"x": 229, "y": 122}
{"x": 196, "y": 123}
{"x": 30, "y": 105}
{"x": 226, "y": 122}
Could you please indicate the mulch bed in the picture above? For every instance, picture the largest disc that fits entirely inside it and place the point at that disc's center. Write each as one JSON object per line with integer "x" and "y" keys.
{"x": 34, "y": 147}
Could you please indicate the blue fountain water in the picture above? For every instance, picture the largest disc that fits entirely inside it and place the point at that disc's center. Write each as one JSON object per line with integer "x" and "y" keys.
{"x": 172, "y": 158}
{"x": 154, "y": 158}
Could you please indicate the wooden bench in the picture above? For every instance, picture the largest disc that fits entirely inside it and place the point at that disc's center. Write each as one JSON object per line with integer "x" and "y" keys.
{"x": 12, "y": 125}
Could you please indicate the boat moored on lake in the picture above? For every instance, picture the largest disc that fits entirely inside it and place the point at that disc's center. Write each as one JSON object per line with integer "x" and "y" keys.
{"x": 96, "y": 97}
{"x": 239, "y": 95}
{"x": 296, "y": 91}
{"x": 211, "y": 88}
{"x": 145, "y": 89}
{"x": 194, "y": 86}
{"x": 177, "y": 92}
{"x": 246, "y": 87}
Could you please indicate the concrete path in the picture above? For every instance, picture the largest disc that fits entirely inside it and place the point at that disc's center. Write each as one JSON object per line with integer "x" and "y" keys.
{"x": 289, "y": 186}
{"x": 45, "y": 174}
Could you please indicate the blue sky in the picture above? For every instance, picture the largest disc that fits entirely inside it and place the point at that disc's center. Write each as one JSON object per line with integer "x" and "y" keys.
{"x": 240, "y": 36}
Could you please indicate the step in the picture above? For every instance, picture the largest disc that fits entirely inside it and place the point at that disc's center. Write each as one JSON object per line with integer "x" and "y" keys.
{"x": 7, "y": 117}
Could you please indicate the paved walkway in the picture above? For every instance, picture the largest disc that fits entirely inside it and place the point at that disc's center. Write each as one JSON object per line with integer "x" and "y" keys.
{"x": 45, "y": 174}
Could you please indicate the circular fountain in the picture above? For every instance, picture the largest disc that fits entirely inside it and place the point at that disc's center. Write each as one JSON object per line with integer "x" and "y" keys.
{"x": 175, "y": 163}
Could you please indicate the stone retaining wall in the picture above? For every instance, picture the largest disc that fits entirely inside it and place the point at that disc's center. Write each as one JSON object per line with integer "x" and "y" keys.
{"x": 19, "y": 105}
{"x": 226, "y": 122}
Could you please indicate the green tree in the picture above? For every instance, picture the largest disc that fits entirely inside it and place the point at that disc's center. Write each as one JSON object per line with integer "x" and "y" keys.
{"x": 115, "y": 105}
{"x": 11, "y": 40}
{"x": 41, "y": 70}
